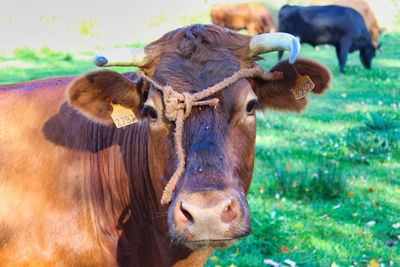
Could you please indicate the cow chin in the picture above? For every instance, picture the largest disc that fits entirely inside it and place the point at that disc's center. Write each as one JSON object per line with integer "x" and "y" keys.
{"x": 218, "y": 244}
{"x": 214, "y": 244}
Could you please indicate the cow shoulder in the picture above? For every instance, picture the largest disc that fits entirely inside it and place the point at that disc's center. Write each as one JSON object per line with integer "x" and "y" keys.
{"x": 278, "y": 94}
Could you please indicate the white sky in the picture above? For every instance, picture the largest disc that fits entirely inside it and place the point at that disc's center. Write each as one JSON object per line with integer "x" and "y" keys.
{"x": 56, "y": 23}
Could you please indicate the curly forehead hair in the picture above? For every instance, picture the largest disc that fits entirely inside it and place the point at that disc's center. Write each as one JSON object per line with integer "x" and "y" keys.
{"x": 188, "y": 57}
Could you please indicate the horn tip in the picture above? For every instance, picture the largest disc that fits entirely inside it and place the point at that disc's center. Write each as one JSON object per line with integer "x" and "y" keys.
{"x": 295, "y": 51}
{"x": 100, "y": 61}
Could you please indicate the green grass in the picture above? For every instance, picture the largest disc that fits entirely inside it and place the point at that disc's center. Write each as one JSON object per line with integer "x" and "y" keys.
{"x": 326, "y": 182}
{"x": 26, "y": 64}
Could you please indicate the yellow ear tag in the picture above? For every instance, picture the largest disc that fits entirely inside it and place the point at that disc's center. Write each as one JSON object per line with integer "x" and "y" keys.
{"x": 122, "y": 116}
{"x": 303, "y": 87}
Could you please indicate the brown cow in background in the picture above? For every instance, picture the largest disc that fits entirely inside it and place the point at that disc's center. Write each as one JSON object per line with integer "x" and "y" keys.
{"x": 254, "y": 17}
{"x": 363, "y": 8}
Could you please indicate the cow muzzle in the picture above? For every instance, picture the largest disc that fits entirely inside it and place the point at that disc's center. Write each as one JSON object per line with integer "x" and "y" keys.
{"x": 209, "y": 219}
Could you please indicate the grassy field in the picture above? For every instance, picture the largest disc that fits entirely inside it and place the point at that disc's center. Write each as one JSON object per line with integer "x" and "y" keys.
{"x": 326, "y": 188}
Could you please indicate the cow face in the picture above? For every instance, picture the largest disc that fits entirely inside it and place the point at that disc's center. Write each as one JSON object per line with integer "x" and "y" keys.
{"x": 366, "y": 55}
{"x": 208, "y": 207}
{"x": 219, "y": 147}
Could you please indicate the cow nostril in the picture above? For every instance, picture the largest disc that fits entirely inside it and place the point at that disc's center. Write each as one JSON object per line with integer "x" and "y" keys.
{"x": 186, "y": 214}
{"x": 231, "y": 211}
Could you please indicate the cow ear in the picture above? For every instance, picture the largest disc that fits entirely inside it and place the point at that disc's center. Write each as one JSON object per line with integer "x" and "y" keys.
{"x": 93, "y": 93}
{"x": 278, "y": 94}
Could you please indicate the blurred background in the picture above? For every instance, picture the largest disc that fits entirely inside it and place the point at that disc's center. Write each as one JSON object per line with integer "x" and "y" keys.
{"x": 84, "y": 25}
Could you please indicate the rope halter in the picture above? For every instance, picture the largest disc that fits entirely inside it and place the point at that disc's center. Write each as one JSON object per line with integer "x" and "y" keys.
{"x": 178, "y": 107}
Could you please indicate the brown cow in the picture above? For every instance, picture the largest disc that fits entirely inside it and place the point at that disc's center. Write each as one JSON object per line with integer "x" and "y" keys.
{"x": 363, "y": 8}
{"x": 253, "y": 16}
{"x": 77, "y": 191}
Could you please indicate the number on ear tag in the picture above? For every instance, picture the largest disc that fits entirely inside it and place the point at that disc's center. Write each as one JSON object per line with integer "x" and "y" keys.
{"x": 122, "y": 116}
{"x": 303, "y": 87}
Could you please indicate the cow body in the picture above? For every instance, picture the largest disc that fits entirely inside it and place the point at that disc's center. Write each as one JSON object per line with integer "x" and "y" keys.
{"x": 363, "y": 8}
{"x": 77, "y": 191}
{"x": 253, "y": 16}
{"x": 75, "y": 169}
{"x": 339, "y": 26}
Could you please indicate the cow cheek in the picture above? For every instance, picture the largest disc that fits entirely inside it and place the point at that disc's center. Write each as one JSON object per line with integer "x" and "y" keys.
{"x": 158, "y": 157}
{"x": 242, "y": 150}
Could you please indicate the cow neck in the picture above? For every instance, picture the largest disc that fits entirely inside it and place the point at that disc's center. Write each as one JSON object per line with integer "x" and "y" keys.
{"x": 178, "y": 107}
{"x": 143, "y": 200}
{"x": 119, "y": 189}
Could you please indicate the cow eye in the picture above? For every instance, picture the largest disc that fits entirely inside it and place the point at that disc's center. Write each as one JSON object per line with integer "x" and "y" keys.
{"x": 251, "y": 106}
{"x": 149, "y": 111}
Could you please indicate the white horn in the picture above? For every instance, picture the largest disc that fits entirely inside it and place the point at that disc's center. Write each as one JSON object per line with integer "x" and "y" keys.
{"x": 277, "y": 41}
{"x": 127, "y": 56}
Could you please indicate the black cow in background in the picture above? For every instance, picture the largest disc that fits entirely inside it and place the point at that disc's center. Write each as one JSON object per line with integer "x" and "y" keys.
{"x": 340, "y": 26}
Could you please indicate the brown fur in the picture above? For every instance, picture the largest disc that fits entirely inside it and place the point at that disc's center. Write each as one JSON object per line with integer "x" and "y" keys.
{"x": 77, "y": 192}
{"x": 275, "y": 94}
{"x": 89, "y": 91}
{"x": 253, "y": 16}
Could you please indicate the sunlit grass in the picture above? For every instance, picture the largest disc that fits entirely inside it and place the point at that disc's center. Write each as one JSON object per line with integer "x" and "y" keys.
{"x": 351, "y": 229}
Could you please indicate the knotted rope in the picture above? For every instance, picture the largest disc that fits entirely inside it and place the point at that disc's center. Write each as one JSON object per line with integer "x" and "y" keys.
{"x": 178, "y": 107}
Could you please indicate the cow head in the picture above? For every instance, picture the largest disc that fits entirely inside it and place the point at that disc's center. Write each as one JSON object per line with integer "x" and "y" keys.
{"x": 208, "y": 206}
{"x": 366, "y": 55}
